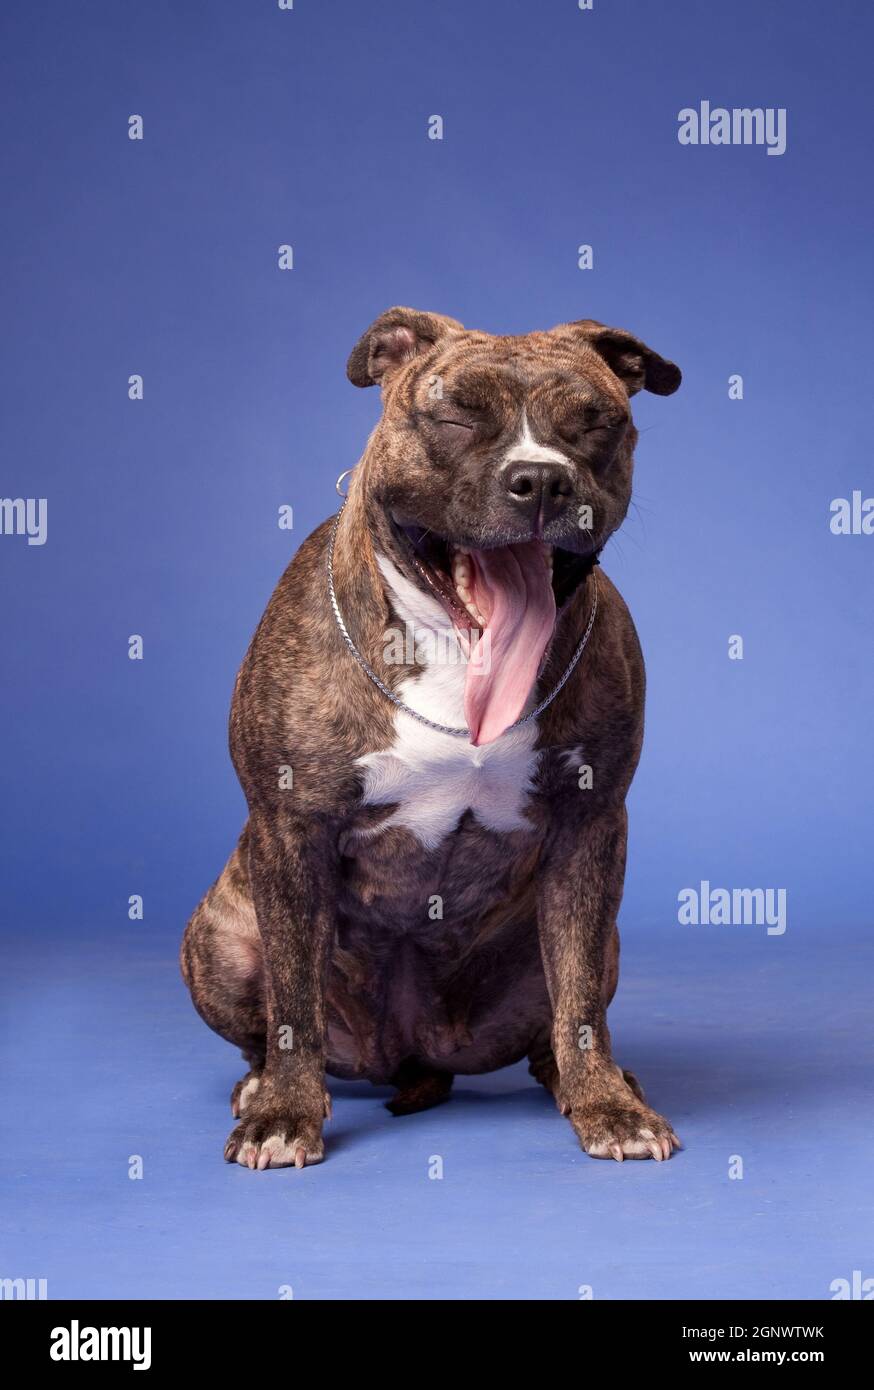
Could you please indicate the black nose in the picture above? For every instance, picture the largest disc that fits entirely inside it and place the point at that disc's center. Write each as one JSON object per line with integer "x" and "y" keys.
{"x": 542, "y": 488}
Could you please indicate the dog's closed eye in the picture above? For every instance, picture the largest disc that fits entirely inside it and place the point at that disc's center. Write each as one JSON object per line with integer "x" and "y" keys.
{"x": 455, "y": 424}
{"x": 586, "y": 421}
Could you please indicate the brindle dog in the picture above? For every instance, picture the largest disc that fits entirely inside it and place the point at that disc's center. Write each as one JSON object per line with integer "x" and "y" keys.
{"x": 408, "y": 903}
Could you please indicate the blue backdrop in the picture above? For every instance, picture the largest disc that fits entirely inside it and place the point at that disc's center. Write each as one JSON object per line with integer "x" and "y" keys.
{"x": 309, "y": 127}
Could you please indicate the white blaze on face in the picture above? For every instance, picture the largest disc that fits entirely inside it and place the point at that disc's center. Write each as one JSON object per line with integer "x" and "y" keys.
{"x": 528, "y": 450}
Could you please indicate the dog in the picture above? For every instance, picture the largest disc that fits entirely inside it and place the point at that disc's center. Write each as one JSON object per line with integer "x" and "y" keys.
{"x": 435, "y": 727}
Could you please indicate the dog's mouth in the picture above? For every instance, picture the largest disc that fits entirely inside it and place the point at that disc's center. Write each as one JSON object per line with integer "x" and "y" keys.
{"x": 503, "y": 601}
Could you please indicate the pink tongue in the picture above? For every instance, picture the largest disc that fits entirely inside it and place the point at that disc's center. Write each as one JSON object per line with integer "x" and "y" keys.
{"x": 512, "y": 589}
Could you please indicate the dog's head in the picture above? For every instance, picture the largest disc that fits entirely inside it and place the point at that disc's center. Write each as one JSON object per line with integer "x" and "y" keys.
{"x": 499, "y": 468}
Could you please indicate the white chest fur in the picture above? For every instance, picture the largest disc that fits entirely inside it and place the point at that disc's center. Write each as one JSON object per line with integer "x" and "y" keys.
{"x": 433, "y": 777}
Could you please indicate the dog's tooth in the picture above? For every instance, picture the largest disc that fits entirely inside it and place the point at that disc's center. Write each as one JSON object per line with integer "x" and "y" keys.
{"x": 463, "y": 593}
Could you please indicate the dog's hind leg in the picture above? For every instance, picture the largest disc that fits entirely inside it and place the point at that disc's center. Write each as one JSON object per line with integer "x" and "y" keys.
{"x": 419, "y": 1087}
{"x": 223, "y": 966}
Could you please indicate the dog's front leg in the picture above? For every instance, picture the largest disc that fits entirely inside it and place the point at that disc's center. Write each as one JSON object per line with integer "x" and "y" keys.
{"x": 283, "y": 1120}
{"x": 578, "y": 899}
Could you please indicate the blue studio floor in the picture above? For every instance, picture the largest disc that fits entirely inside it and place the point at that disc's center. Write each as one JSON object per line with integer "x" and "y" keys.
{"x": 105, "y": 1059}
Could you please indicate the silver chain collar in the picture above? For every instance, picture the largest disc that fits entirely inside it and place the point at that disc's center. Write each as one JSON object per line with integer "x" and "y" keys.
{"x": 414, "y": 714}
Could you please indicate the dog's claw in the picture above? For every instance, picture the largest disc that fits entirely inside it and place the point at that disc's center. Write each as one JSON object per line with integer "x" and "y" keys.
{"x": 620, "y": 1133}
{"x": 275, "y": 1141}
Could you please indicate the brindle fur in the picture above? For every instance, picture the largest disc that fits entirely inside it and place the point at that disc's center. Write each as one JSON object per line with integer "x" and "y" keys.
{"x": 319, "y": 920}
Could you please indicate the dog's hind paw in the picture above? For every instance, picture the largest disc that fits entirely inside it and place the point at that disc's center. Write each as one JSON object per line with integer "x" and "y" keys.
{"x": 243, "y": 1092}
{"x": 420, "y": 1092}
{"x": 632, "y": 1082}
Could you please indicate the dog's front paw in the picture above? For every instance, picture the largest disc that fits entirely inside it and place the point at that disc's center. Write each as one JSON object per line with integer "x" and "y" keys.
{"x": 623, "y": 1130}
{"x": 276, "y": 1134}
{"x": 612, "y": 1120}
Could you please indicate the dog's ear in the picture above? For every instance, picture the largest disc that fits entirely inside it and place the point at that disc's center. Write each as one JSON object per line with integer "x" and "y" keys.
{"x": 636, "y": 365}
{"x": 394, "y": 339}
